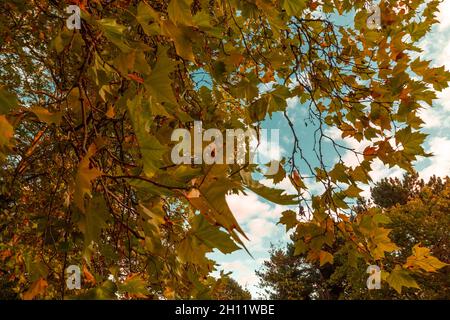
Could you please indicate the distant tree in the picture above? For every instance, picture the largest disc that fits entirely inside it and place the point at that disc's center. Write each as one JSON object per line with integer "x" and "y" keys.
{"x": 288, "y": 277}
{"x": 230, "y": 289}
{"x": 418, "y": 214}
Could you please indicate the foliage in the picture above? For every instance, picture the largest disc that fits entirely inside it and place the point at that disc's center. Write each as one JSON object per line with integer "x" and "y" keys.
{"x": 86, "y": 118}
{"x": 230, "y": 289}
{"x": 419, "y": 226}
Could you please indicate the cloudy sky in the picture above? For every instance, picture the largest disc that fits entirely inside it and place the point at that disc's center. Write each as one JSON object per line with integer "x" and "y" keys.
{"x": 258, "y": 217}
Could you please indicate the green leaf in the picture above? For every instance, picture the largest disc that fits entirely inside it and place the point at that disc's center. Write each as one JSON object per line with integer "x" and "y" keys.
{"x": 8, "y": 101}
{"x": 148, "y": 18}
{"x": 134, "y": 285}
{"x": 411, "y": 141}
{"x": 280, "y": 175}
{"x": 114, "y": 32}
{"x": 180, "y": 12}
{"x": 289, "y": 219}
{"x": 159, "y": 83}
{"x": 339, "y": 173}
{"x": 151, "y": 149}
{"x": 399, "y": 278}
{"x": 62, "y": 40}
{"x": 274, "y": 195}
{"x": 85, "y": 175}
{"x": 94, "y": 221}
{"x": 294, "y": 7}
{"x": 300, "y": 247}
{"x": 181, "y": 37}
{"x": 353, "y": 191}
{"x": 212, "y": 236}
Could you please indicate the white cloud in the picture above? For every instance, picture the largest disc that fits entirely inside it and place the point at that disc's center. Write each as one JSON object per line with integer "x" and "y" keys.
{"x": 439, "y": 164}
{"x": 292, "y": 102}
{"x": 247, "y": 207}
{"x": 444, "y": 15}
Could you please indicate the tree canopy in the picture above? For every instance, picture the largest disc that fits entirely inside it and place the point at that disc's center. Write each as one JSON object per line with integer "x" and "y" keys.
{"x": 418, "y": 212}
{"x": 86, "y": 118}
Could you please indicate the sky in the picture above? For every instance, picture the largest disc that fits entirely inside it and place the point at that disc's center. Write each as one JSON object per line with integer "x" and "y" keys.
{"x": 259, "y": 218}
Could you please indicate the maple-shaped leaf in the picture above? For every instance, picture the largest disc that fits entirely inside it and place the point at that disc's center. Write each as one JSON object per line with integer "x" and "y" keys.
{"x": 289, "y": 219}
{"x": 280, "y": 172}
{"x": 92, "y": 223}
{"x": 421, "y": 258}
{"x": 212, "y": 236}
{"x": 381, "y": 242}
{"x": 84, "y": 177}
{"x": 114, "y": 32}
{"x": 180, "y": 12}
{"x": 151, "y": 149}
{"x": 411, "y": 141}
{"x": 158, "y": 82}
{"x": 399, "y": 278}
{"x": 181, "y": 38}
{"x": 274, "y": 195}
{"x": 134, "y": 285}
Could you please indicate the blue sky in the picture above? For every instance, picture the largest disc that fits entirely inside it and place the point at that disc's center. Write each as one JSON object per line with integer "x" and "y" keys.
{"x": 259, "y": 217}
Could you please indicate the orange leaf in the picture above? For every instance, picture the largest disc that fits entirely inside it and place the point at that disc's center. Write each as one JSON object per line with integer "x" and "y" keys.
{"x": 89, "y": 278}
{"x": 136, "y": 78}
{"x": 38, "y": 287}
{"x": 370, "y": 151}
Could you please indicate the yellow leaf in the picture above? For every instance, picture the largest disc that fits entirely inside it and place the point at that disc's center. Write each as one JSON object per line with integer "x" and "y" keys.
{"x": 180, "y": 12}
{"x": 46, "y": 116}
{"x": 325, "y": 257}
{"x": 6, "y": 131}
{"x": 399, "y": 278}
{"x": 422, "y": 259}
{"x": 85, "y": 175}
{"x": 110, "y": 113}
{"x": 169, "y": 293}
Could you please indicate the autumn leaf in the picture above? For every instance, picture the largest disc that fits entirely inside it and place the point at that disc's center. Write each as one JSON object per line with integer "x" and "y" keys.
{"x": 135, "y": 77}
{"x": 46, "y": 116}
{"x": 212, "y": 236}
{"x": 8, "y": 100}
{"x": 399, "y": 278}
{"x": 325, "y": 257}
{"x": 37, "y": 288}
{"x": 421, "y": 258}
{"x": 6, "y": 132}
{"x": 180, "y": 12}
{"x": 289, "y": 219}
{"x": 84, "y": 177}
{"x": 88, "y": 277}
